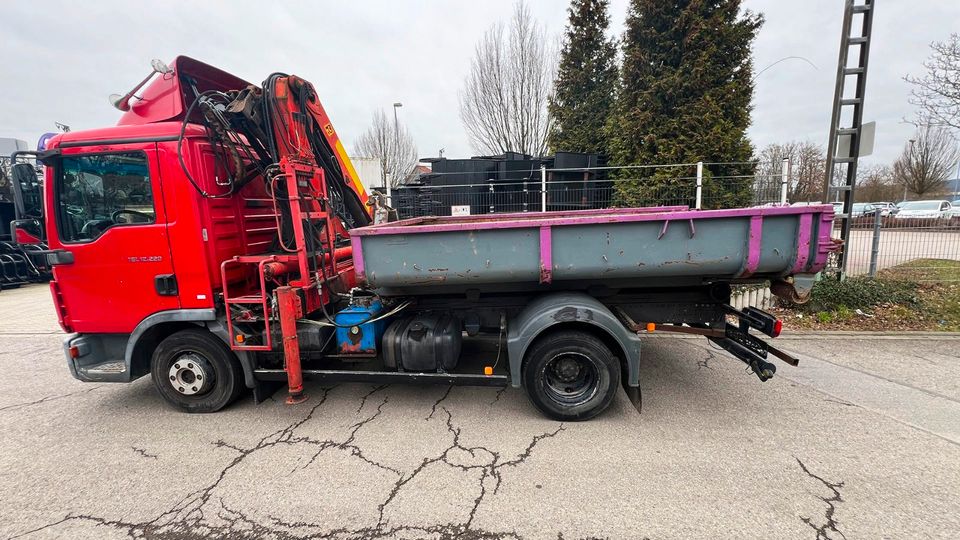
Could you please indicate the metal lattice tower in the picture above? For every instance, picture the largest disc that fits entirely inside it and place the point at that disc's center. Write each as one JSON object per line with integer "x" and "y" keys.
{"x": 848, "y": 108}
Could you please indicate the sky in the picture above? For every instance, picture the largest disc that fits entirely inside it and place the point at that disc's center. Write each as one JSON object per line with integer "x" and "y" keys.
{"x": 61, "y": 62}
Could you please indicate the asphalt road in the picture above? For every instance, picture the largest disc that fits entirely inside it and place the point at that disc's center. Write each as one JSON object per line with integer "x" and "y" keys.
{"x": 861, "y": 441}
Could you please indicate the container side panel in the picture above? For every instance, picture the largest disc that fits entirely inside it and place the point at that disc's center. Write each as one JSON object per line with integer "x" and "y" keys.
{"x": 635, "y": 250}
{"x": 779, "y": 244}
{"x": 487, "y": 256}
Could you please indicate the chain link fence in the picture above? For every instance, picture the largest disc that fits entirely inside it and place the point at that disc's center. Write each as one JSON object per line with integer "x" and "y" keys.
{"x": 874, "y": 245}
{"x": 917, "y": 246}
{"x": 590, "y": 188}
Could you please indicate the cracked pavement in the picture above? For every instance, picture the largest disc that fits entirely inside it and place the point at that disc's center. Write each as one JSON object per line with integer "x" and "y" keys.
{"x": 861, "y": 441}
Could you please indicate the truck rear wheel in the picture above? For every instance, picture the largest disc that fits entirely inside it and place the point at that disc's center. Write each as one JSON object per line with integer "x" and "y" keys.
{"x": 196, "y": 372}
{"x": 571, "y": 375}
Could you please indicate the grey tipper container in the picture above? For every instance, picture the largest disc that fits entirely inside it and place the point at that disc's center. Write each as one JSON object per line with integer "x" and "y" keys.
{"x": 639, "y": 247}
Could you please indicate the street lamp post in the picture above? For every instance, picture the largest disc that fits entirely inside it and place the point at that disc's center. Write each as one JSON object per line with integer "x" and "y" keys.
{"x": 396, "y": 130}
{"x": 910, "y": 162}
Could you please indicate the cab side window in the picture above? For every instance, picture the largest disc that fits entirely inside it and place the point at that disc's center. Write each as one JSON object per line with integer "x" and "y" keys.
{"x": 100, "y": 191}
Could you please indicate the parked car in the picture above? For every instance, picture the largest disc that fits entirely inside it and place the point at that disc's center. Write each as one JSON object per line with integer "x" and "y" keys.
{"x": 837, "y": 207}
{"x": 886, "y": 208}
{"x": 955, "y": 213}
{"x": 863, "y": 209}
{"x": 924, "y": 210}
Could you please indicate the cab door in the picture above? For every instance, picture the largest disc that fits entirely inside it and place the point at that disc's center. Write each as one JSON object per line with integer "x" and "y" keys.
{"x": 108, "y": 238}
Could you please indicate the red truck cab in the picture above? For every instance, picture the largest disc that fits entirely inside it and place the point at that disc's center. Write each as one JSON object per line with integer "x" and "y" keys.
{"x": 145, "y": 220}
{"x": 136, "y": 248}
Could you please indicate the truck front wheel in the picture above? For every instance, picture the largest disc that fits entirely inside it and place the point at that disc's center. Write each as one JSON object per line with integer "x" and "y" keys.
{"x": 196, "y": 372}
{"x": 571, "y": 375}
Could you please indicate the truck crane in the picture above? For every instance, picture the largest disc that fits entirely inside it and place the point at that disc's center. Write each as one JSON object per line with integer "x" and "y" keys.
{"x": 219, "y": 239}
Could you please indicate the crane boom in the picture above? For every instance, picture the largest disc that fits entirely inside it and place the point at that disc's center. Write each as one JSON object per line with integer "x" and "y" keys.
{"x": 280, "y": 134}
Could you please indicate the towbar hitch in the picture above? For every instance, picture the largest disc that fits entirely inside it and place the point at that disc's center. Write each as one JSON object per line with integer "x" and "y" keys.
{"x": 748, "y": 349}
{"x": 735, "y": 339}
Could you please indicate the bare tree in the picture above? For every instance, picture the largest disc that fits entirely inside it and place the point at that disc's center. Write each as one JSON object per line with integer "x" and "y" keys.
{"x": 876, "y": 183}
{"x": 503, "y": 104}
{"x": 394, "y": 146}
{"x": 807, "y": 160}
{"x": 927, "y": 161}
{"x": 937, "y": 93}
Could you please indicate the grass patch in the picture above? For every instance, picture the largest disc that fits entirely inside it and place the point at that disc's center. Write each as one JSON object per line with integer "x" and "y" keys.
{"x": 858, "y": 293}
{"x": 932, "y": 270}
{"x": 939, "y": 289}
{"x": 920, "y": 295}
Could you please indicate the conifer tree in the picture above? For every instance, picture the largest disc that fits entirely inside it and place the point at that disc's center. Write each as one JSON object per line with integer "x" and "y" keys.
{"x": 685, "y": 91}
{"x": 586, "y": 78}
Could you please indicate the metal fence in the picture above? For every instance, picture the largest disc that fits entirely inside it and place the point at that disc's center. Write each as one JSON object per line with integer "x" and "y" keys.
{"x": 913, "y": 245}
{"x": 545, "y": 189}
{"x": 916, "y": 248}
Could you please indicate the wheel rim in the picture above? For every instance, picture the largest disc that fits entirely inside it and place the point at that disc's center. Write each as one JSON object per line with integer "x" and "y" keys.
{"x": 571, "y": 378}
{"x": 190, "y": 374}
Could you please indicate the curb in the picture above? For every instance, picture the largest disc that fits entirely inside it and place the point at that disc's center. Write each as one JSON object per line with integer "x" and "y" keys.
{"x": 833, "y": 334}
{"x": 903, "y": 334}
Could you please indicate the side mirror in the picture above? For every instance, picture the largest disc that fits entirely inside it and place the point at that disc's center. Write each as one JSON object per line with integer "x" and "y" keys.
{"x": 27, "y": 197}
{"x": 26, "y": 231}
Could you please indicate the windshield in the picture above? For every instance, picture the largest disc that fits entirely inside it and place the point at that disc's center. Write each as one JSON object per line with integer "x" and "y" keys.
{"x": 862, "y": 206}
{"x": 920, "y": 205}
{"x": 97, "y": 192}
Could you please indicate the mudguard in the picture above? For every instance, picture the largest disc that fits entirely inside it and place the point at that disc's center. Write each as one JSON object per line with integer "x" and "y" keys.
{"x": 204, "y": 317}
{"x": 563, "y": 308}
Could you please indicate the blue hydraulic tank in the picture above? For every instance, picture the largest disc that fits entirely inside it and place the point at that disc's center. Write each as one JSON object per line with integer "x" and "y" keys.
{"x": 355, "y": 334}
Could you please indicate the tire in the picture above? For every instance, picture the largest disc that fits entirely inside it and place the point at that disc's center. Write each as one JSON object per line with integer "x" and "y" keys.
{"x": 570, "y": 375}
{"x": 195, "y": 372}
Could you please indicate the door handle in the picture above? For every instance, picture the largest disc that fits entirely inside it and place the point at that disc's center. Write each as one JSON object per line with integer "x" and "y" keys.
{"x": 57, "y": 256}
{"x": 165, "y": 284}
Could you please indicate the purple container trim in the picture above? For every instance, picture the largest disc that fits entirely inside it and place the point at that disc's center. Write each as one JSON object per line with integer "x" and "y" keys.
{"x": 546, "y": 255}
{"x": 825, "y": 243}
{"x": 519, "y": 218}
{"x": 803, "y": 244}
{"x": 578, "y": 217}
{"x": 358, "y": 269}
{"x": 754, "y": 246}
